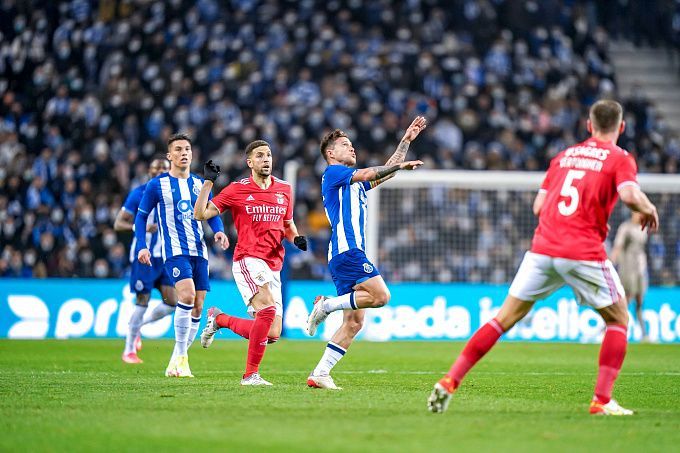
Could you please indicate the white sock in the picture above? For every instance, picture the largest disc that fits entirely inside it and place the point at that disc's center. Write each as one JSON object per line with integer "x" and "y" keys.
{"x": 344, "y": 302}
{"x": 134, "y": 325}
{"x": 193, "y": 330}
{"x": 161, "y": 311}
{"x": 330, "y": 358}
{"x": 182, "y": 327}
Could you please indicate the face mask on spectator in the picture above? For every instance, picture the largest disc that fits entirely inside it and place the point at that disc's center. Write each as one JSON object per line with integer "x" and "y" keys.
{"x": 86, "y": 216}
{"x": 29, "y": 258}
{"x": 109, "y": 240}
{"x": 10, "y": 228}
{"x": 101, "y": 269}
{"x": 57, "y": 216}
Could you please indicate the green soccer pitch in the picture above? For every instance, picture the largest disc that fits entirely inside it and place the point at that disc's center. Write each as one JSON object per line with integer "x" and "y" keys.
{"x": 77, "y": 395}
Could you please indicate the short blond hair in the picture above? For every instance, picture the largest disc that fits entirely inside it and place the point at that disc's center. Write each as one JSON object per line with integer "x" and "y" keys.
{"x": 606, "y": 115}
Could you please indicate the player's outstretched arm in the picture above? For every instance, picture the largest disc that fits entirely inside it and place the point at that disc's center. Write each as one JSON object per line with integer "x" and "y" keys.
{"x": 376, "y": 173}
{"x": 203, "y": 209}
{"x": 637, "y": 201}
{"x": 399, "y": 155}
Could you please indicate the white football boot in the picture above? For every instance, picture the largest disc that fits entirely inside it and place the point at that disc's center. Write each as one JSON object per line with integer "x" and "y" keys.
{"x": 179, "y": 367}
{"x": 317, "y": 316}
{"x": 255, "y": 379}
{"x": 211, "y": 327}
{"x": 439, "y": 399}
{"x": 322, "y": 382}
{"x": 611, "y": 408}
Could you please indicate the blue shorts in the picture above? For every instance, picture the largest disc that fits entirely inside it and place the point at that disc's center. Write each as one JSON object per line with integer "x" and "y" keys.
{"x": 349, "y": 269}
{"x": 144, "y": 278}
{"x": 193, "y": 267}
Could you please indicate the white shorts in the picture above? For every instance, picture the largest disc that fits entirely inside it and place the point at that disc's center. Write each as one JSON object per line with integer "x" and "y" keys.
{"x": 250, "y": 274}
{"x": 595, "y": 283}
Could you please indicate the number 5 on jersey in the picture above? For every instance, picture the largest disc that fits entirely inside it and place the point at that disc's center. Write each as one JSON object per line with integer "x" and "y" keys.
{"x": 568, "y": 190}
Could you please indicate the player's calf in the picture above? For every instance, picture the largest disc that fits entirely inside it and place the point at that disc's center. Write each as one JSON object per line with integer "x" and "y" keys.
{"x": 381, "y": 298}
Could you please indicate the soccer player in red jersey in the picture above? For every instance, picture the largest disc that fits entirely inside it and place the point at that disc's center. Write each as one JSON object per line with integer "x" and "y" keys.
{"x": 262, "y": 208}
{"x": 573, "y": 205}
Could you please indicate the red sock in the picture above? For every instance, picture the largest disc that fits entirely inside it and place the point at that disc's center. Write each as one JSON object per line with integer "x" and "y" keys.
{"x": 257, "y": 343}
{"x": 239, "y": 326}
{"x": 480, "y": 343}
{"x": 612, "y": 353}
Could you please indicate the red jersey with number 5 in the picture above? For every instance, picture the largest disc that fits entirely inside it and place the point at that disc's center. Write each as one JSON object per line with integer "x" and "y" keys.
{"x": 581, "y": 189}
{"x": 259, "y": 216}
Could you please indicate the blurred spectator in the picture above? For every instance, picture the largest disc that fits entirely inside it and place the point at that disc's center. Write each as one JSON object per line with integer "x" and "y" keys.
{"x": 89, "y": 91}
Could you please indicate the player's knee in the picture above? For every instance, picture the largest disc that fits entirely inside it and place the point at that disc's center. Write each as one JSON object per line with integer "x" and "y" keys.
{"x": 187, "y": 296}
{"x": 381, "y": 298}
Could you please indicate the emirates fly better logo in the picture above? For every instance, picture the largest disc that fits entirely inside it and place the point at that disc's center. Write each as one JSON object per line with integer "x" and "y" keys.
{"x": 264, "y": 213}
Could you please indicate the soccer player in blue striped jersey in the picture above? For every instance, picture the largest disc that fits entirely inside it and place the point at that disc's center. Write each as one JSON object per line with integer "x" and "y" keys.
{"x": 143, "y": 279}
{"x": 184, "y": 251}
{"x": 358, "y": 282}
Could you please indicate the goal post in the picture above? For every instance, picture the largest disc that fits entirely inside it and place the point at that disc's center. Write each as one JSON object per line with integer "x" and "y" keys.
{"x": 474, "y": 226}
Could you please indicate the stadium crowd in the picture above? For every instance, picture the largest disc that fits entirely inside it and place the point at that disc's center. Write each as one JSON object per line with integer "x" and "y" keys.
{"x": 89, "y": 92}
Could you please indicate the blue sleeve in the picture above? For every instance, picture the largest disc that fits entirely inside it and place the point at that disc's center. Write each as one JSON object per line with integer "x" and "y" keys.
{"x": 148, "y": 202}
{"x": 215, "y": 223}
{"x": 133, "y": 199}
{"x": 338, "y": 175}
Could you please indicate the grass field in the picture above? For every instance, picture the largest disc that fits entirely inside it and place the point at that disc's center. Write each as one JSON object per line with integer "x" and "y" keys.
{"x": 77, "y": 396}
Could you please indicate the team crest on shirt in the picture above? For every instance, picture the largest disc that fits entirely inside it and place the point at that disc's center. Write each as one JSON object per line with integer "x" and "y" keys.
{"x": 139, "y": 285}
{"x": 195, "y": 189}
{"x": 368, "y": 268}
{"x": 280, "y": 198}
{"x": 175, "y": 272}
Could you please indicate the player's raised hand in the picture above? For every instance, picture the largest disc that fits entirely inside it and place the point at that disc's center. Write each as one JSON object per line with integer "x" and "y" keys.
{"x": 222, "y": 240}
{"x": 416, "y": 127}
{"x": 211, "y": 171}
{"x": 650, "y": 221}
{"x": 410, "y": 165}
{"x": 144, "y": 257}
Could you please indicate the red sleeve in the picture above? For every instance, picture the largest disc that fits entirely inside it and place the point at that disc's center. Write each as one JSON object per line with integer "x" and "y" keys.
{"x": 626, "y": 172}
{"x": 291, "y": 205}
{"x": 223, "y": 200}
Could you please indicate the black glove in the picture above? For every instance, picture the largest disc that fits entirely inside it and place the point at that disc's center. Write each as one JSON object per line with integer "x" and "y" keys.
{"x": 211, "y": 171}
{"x": 300, "y": 242}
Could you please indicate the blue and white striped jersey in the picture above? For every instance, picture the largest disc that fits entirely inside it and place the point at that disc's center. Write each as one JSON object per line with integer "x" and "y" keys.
{"x": 174, "y": 200}
{"x": 131, "y": 205}
{"x": 345, "y": 205}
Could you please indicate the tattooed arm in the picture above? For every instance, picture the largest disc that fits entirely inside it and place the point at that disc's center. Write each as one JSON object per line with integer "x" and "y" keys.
{"x": 399, "y": 154}
{"x": 380, "y": 173}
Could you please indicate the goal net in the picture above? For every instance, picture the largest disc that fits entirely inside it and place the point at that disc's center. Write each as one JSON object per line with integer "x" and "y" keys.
{"x": 467, "y": 226}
